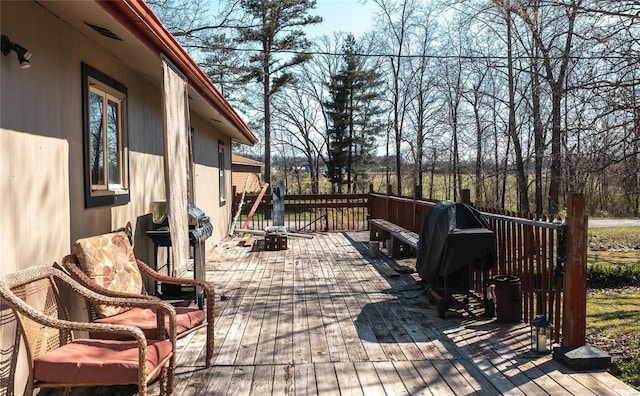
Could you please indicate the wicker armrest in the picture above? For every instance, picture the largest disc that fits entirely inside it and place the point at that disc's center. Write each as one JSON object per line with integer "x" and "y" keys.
{"x": 36, "y": 273}
{"x": 161, "y": 307}
{"x": 209, "y": 301}
{"x": 49, "y": 321}
{"x": 206, "y": 286}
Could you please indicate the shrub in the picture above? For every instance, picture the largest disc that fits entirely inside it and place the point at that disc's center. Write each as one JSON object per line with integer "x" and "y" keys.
{"x": 610, "y": 276}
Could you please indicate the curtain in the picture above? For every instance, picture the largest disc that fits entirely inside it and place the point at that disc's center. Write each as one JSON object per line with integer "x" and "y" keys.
{"x": 176, "y": 158}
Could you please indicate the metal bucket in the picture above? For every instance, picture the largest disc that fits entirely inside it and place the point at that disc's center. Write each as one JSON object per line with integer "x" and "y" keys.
{"x": 509, "y": 299}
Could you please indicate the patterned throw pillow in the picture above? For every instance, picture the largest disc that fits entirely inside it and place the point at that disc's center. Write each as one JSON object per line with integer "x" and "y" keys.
{"x": 109, "y": 261}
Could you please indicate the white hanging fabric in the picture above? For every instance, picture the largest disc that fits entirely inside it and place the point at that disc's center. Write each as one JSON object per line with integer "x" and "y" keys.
{"x": 175, "y": 136}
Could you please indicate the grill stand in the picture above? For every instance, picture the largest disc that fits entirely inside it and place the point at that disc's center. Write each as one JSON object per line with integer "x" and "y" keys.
{"x": 162, "y": 238}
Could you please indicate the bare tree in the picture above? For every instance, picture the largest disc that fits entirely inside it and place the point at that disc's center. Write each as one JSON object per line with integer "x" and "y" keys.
{"x": 297, "y": 118}
{"x": 422, "y": 91}
{"x": 395, "y": 24}
{"x": 555, "y": 49}
{"x": 276, "y": 30}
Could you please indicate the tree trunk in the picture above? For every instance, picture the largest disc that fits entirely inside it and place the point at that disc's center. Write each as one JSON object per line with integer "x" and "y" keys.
{"x": 420, "y": 145}
{"x": 455, "y": 160}
{"x": 267, "y": 116}
{"x": 478, "y": 172}
{"x": 537, "y": 136}
{"x": 556, "y": 164}
{"x": 523, "y": 203}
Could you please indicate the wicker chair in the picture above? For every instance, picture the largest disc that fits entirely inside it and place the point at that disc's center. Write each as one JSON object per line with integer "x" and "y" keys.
{"x": 57, "y": 359}
{"x": 113, "y": 251}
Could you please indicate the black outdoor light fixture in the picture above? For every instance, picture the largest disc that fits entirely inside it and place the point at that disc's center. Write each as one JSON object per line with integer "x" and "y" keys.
{"x": 23, "y": 54}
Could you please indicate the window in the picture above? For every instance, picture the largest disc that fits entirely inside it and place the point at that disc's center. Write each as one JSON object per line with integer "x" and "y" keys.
{"x": 106, "y": 157}
{"x": 221, "y": 182}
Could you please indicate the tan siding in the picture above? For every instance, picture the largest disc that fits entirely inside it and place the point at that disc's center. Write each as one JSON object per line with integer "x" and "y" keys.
{"x": 41, "y": 150}
{"x": 206, "y": 167}
{"x": 35, "y": 214}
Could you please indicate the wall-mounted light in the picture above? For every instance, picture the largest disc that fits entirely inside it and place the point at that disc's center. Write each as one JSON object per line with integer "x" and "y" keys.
{"x": 23, "y": 54}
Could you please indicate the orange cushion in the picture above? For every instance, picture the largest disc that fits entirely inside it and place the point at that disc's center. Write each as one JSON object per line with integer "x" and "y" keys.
{"x": 145, "y": 320}
{"x": 99, "y": 362}
{"x": 109, "y": 261}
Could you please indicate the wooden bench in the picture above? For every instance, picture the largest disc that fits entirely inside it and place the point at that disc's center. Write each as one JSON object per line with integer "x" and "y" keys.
{"x": 403, "y": 242}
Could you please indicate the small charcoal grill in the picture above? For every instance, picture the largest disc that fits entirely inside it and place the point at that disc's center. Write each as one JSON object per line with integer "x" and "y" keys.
{"x": 200, "y": 229}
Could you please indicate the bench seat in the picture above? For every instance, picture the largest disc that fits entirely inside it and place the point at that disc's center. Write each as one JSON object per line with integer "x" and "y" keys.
{"x": 404, "y": 236}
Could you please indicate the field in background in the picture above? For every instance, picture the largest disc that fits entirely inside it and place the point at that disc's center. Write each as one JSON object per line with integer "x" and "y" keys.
{"x": 440, "y": 189}
{"x": 611, "y": 202}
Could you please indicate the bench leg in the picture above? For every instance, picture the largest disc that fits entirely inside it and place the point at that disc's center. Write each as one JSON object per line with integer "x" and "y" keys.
{"x": 397, "y": 249}
{"x": 373, "y": 233}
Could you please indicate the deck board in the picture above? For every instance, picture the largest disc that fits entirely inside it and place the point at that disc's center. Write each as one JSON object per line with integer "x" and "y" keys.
{"x": 436, "y": 383}
{"x": 324, "y": 318}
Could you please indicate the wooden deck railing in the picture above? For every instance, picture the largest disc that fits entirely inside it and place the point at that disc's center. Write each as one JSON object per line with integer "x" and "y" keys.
{"x": 309, "y": 212}
{"x": 534, "y": 250}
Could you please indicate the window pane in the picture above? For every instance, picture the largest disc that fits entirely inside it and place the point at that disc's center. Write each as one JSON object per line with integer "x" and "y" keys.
{"x": 113, "y": 142}
{"x": 96, "y": 138}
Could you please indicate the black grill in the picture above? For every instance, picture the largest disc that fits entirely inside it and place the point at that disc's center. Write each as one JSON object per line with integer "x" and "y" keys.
{"x": 200, "y": 229}
{"x": 454, "y": 237}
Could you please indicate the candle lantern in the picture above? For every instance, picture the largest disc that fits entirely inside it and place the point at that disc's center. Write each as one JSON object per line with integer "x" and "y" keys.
{"x": 541, "y": 334}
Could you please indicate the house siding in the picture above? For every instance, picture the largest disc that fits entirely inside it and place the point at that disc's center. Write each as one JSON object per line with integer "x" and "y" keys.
{"x": 39, "y": 136}
{"x": 42, "y": 106}
{"x": 41, "y": 151}
{"x": 207, "y": 192}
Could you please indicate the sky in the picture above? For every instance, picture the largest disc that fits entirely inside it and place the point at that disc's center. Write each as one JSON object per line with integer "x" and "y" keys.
{"x": 341, "y": 15}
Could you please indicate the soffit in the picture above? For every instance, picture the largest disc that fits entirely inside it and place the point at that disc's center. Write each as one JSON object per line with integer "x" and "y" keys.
{"x": 136, "y": 53}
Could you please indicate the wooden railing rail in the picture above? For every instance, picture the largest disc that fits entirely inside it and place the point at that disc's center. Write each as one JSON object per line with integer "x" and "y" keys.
{"x": 311, "y": 212}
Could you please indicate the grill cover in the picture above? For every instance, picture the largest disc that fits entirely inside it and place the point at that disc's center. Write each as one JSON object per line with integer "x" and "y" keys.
{"x": 453, "y": 236}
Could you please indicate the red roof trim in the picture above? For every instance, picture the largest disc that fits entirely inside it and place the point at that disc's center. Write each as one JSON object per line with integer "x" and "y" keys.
{"x": 140, "y": 20}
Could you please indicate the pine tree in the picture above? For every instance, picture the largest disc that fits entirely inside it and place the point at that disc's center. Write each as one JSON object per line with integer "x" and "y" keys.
{"x": 337, "y": 135}
{"x": 276, "y": 30}
{"x": 353, "y": 114}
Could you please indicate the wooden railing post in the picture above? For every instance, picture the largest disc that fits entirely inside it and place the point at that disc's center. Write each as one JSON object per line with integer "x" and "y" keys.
{"x": 370, "y": 204}
{"x": 575, "y": 279}
{"x": 387, "y": 208}
{"x": 465, "y": 196}
{"x": 417, "y": 195}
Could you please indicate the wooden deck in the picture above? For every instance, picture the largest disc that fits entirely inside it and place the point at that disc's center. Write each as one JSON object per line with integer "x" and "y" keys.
{"x": 323, "y": 318}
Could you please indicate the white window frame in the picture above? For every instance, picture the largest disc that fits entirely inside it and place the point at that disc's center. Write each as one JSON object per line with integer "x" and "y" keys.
{"x": 105, "y": 192}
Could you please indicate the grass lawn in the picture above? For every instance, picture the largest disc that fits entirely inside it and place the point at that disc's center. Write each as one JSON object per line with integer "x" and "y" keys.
{"x": 613, "y": 325}
{"x": 613, "y": 314}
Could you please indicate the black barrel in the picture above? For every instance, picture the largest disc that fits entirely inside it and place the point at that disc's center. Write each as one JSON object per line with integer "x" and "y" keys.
{"x": 509, "y": 299}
